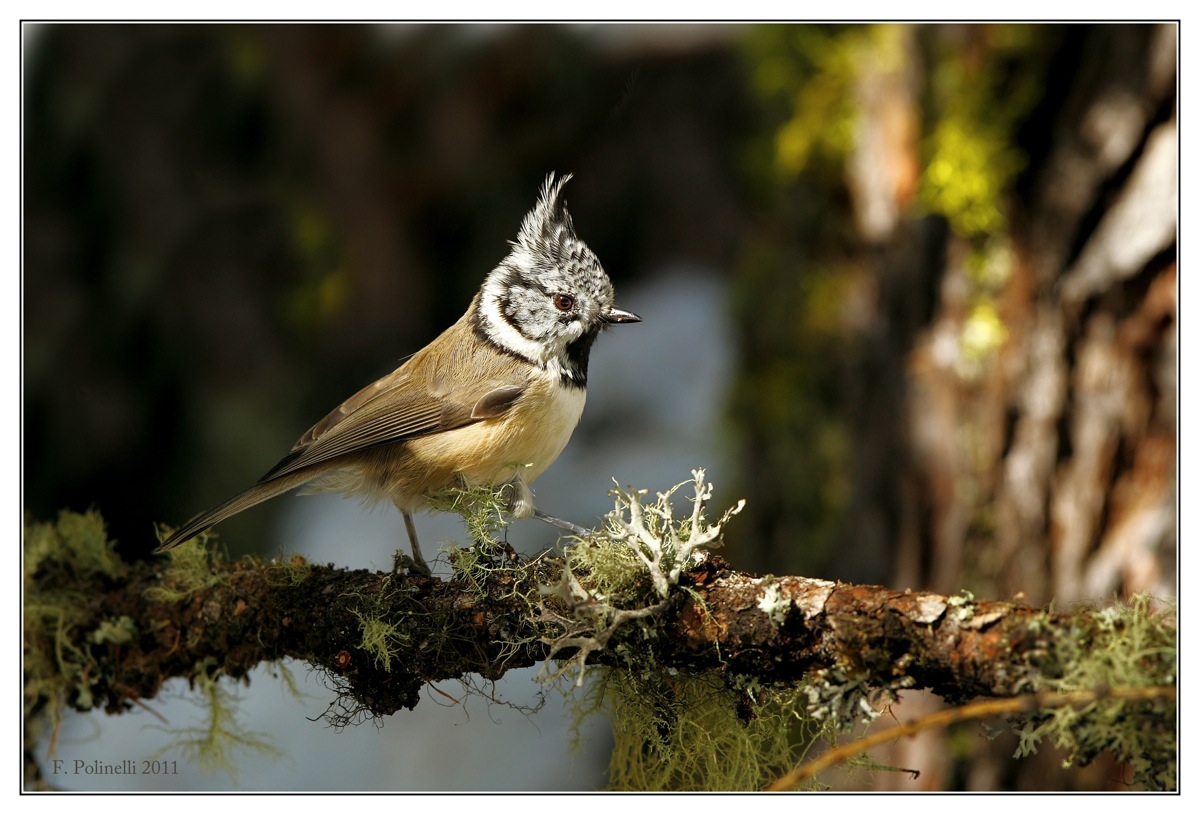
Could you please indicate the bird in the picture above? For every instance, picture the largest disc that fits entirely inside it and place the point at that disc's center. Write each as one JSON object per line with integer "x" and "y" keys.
{"x": 492, "y": 401}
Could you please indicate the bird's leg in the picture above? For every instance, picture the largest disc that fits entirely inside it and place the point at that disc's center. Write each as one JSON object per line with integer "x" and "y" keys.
{"x": 577, "y": 531}
{"x": 415, "y": 564}
{"x": 518, "y": 497}
{"x": 520, "y": 504}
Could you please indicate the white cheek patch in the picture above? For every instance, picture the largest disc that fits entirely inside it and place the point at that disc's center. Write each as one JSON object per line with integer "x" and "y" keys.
{"x": 504, "y": 333}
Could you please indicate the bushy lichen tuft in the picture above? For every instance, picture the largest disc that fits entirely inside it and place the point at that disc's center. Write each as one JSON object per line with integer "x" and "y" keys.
{"x": 638, "y": 555}
{"x": 695, "y": 731}
{"x": 673, "y": 729}
{"x": 1127, "y": 646}
{"x": 626, "y": 571}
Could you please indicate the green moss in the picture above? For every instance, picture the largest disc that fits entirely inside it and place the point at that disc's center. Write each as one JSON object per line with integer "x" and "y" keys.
{"x": 190, "y": 568}
{"x": 120, "y": 631}
{"x": 380, "y": 639}
{"x": 612, "y": 572}
{"x": 60, "y": 666}
{"x": 60, "y": 559}
{"x": 76, "y": 541}
{"x": 291, "y": 572}
{"x": 483, "y": 509}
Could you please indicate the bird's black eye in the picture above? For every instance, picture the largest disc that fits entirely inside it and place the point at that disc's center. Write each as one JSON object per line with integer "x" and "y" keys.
{"x": 564, "y": 302}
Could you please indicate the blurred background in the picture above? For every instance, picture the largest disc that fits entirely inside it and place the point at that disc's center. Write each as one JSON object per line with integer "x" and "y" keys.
{"x": 908, "y": 289}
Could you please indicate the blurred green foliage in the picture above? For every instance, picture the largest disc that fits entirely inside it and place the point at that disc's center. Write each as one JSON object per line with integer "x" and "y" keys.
{"x": 809, "y": 72}
{"x": 979, "y": 91}
{"x": 813, "y": 297}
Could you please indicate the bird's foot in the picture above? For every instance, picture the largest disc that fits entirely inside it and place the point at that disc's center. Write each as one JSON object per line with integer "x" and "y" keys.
{"x": 402, "y": 563}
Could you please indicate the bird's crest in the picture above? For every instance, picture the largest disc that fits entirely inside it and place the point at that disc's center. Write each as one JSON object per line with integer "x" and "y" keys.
{"x": 548, "y": 224}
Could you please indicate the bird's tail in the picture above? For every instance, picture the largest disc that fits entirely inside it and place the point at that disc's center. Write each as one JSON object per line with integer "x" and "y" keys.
{"x": 263, "y": 491}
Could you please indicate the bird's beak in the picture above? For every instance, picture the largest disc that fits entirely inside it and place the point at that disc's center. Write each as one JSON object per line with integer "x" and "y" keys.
{"x": 615, "y": 315}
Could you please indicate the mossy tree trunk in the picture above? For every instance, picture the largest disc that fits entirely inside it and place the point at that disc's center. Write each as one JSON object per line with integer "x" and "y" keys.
{"x": 981, "y": 382}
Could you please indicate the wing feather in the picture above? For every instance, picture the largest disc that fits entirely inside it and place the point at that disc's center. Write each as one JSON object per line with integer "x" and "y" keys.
{"x": 424, "y": 395}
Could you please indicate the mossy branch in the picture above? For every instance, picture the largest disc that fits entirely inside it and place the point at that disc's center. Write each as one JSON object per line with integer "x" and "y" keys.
{"x": 644, "y": 596}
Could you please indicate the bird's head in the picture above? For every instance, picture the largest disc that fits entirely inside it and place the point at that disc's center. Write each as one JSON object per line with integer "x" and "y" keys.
{"x": 550, "y": 297}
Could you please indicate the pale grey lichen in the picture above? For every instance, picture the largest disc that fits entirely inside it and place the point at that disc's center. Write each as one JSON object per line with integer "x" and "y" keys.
{"x": 625, "y": 571}
{"x": 772, "y": 602}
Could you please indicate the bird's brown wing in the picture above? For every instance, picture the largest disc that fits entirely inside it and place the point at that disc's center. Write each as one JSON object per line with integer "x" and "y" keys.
{"x": 395, "y": 408}
{"x": 377, "y": 388}
{"x": 433, "y": 392}
{"x": 399, "y": 406}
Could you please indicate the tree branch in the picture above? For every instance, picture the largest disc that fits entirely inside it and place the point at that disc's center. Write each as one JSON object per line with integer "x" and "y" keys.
{"x": 643, "y": 595}
{"x": 383, "y": 635}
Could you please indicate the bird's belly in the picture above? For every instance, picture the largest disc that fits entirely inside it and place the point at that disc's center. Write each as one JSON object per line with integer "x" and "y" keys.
{"x": 524, "y": 441}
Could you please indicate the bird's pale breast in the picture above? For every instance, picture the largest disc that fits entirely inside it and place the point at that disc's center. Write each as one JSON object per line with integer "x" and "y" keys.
{"x": 525, "y": 440}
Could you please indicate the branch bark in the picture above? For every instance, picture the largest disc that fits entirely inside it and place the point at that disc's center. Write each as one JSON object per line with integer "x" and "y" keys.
{"x": 380, "y": 636}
